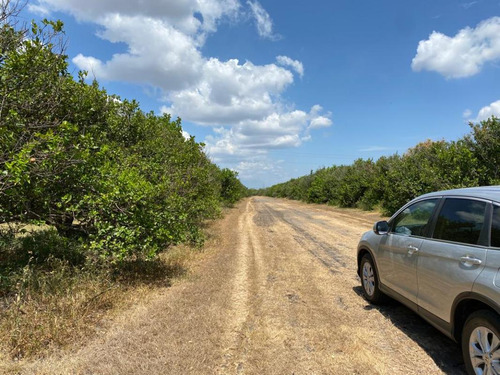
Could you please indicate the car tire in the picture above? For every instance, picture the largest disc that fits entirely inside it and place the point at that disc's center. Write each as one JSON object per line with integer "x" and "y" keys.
{"x": 481, "y": 343}
{"x": 370, "y": 281}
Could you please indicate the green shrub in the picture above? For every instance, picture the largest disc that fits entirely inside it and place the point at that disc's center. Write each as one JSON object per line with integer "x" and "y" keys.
{"x": 121, "y": 182}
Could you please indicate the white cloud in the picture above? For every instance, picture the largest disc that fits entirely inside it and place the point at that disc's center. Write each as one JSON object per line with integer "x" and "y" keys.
{"x": 276, "y": 131}
{"x": 374, "y": 148}
{"x": 466, "y": 114}
{"x": 263, "y": 21}
{"x": 490, "y": 110}
{"x": 241, "y": 101}
{"x": 157, "y": 54}
{"x": 294, "y": 64}
{"x": 181, "y": 14}
{"x": 253, "y": 165}
{"x": 259, "y": 169}
{"x": 230, "y": 92}
{"x": 462, "y": 55}
{"x": 469, "y": 5}
{"x": 39, "y": 9}
{"x": 320, "y": 122}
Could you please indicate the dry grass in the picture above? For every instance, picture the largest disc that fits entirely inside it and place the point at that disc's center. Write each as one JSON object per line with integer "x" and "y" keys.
{"x": 52, "y": 309}
{"x": 154, "y": 329}
{"x": 51, "y": 303}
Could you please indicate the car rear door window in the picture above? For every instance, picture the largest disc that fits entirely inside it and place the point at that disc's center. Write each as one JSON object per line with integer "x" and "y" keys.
{"x": 460, "y": 220}
{"x": 495, "y": 227}
{"x": 412, "y": 221}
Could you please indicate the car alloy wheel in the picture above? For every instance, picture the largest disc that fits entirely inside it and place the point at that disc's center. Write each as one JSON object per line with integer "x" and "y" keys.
{"x": 481, "y": 343}
{"x": 368, "y": 279}
{"x": 484, "y": 351}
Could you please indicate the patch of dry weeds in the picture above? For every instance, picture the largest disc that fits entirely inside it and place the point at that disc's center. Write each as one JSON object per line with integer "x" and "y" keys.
{"x": 51, "y": 305}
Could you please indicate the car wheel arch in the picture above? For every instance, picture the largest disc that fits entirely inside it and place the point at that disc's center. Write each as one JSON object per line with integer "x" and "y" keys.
{"x": 466, "y": 304}
{"x": 361, "y": 253}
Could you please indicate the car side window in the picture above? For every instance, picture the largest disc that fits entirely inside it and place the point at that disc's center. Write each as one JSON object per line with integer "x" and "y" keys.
{"x": 460, "y": 220}
{"x": 495, "y": 227}
{"x": 413, "y": 220}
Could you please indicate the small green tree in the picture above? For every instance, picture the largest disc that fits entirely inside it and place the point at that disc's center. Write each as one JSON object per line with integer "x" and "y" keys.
{"x": 484, "y": 142}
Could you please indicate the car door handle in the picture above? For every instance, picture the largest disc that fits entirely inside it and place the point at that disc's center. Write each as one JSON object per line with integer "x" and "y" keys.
{"x": 412, "y": 250}
{"x": 468, "y": 261}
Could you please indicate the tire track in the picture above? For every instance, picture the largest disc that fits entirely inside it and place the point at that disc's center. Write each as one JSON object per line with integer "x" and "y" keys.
{"x": 327, "y": 254}
{"x": 245, "y": 286}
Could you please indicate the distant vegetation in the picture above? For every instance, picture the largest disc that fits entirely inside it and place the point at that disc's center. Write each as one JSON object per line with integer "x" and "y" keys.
{"x": 391, "y": 181}
{"x": 88, "y": 183}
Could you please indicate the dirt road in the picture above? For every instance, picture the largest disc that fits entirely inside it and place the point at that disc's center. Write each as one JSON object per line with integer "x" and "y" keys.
{"x": 276, "y": 294}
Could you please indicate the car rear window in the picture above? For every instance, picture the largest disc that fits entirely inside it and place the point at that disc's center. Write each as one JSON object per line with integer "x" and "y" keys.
{"x": 495, "y": 227}
{"x": 460, "y": 220}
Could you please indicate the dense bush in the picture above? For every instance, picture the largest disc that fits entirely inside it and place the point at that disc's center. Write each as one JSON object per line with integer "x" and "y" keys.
{"x": 391, "y": 181}
{"x": 231, "y": 188}
{"x": 121, "y": 182}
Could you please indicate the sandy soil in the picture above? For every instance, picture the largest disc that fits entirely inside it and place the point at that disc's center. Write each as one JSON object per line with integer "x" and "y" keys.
{"x": 276, "y": 293}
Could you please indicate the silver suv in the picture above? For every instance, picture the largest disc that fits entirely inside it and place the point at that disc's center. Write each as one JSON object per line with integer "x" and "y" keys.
{"x": 440, "y": 256}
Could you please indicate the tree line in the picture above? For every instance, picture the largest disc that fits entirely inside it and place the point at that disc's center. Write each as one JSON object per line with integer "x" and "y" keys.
{"x": 119, "y": 181}
{"x": 391, "y": 181}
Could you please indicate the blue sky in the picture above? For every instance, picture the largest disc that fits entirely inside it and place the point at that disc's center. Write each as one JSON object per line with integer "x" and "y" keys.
{"x": 276, "y": 89}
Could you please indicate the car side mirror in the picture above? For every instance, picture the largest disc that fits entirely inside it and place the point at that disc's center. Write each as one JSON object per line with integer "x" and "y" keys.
{"x": 381, "y": 227}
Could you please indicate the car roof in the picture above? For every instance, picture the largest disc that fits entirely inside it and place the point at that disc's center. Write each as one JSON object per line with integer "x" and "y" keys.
{"x": 484, "y": 192}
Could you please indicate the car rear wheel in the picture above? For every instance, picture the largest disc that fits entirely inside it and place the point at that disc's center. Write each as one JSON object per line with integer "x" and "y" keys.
{"x": 369, "y": 280}
{"x": 481, "y": 343}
